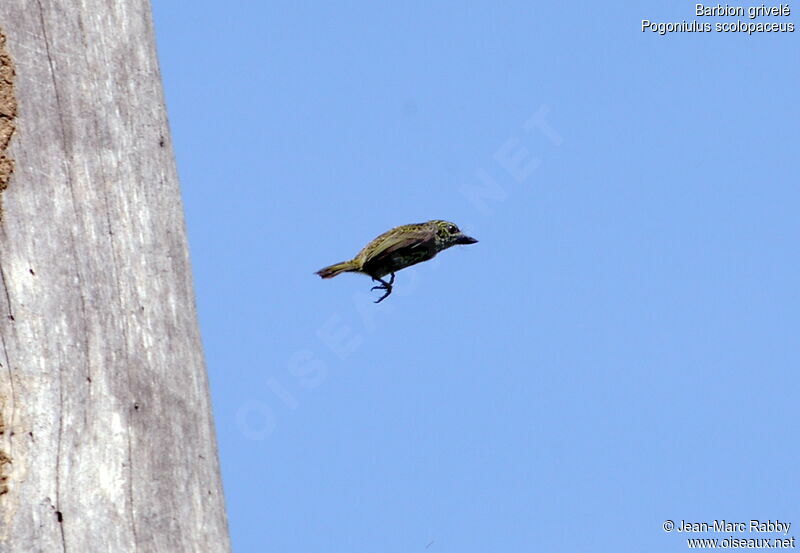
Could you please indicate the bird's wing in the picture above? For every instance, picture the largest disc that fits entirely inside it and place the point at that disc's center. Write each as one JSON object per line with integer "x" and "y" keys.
{"x": 408, "y": 239}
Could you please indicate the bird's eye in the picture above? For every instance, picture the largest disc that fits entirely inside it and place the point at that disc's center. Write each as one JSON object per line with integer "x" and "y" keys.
{"x": 452, "y": 229}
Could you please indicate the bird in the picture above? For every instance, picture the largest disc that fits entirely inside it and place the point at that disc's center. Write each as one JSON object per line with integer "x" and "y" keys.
{"x": 397, "y": 249}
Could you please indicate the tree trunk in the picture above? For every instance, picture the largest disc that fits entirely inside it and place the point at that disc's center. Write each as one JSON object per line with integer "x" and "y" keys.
{"x": 106, "y": 436}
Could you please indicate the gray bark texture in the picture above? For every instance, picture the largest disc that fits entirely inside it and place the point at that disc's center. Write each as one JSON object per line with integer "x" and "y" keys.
{"x": 106, "y": 435}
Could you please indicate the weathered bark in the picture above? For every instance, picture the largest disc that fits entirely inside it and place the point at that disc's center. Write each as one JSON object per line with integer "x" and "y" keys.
{"x": 106, "y": 436}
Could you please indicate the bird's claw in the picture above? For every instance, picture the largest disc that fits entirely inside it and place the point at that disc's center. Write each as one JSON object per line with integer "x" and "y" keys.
{"x": 383, "y": 286}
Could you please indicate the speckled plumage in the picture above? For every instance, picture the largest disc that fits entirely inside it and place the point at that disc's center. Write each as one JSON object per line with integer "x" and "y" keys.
{"x": 399, "y": 248}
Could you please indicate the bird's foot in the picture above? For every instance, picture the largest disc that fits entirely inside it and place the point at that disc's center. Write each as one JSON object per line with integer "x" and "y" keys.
{"x": 383, "y": 286}
{"x": 386, "y": 295}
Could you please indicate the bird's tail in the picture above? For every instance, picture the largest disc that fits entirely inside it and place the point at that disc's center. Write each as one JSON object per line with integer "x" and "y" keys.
{"x": 333, "y": 270}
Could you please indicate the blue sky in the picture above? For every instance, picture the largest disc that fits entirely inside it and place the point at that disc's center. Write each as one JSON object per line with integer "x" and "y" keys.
{"x": 619, "y": 349}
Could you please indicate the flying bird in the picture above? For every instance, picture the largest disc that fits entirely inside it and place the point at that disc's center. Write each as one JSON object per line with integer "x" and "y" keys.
{"x": 399, "y": 248}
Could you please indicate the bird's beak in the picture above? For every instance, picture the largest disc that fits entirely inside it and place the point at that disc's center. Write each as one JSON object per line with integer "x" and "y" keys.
{"x": 464, "y": 239}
